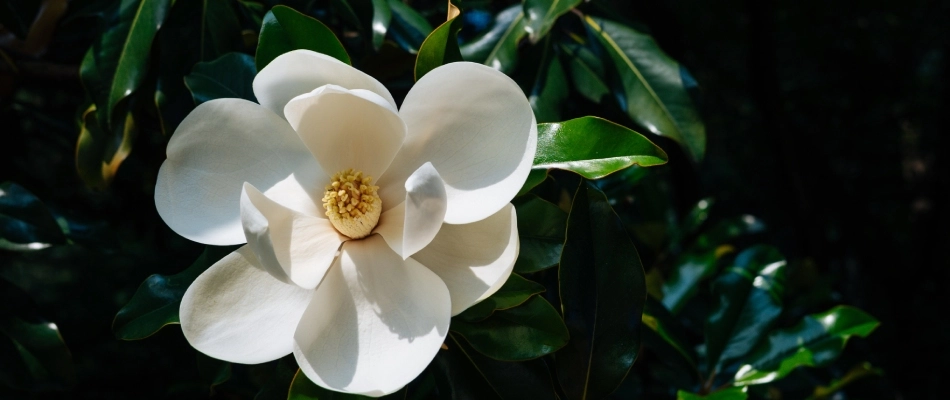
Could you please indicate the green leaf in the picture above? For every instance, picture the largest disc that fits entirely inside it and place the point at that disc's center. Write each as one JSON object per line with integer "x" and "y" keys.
{"x": 32, "y": 351}
{"x": 691, "y": 223}
{"x": 541, "y": 228}
{"x": 440, "y": 48}
{"x": 156, "y": 302}
{"x": 535, "y": 177}
{"x": 748, "y": 301}
{"x": 858, "y": 372}
{"x": 213, "y": 371}
{"x": 651, "y": 85}
{"x": 498, "y": 47}
{"x": 541, "y": 15}
{"x": 515, "y": 291}
{"x": 528, "y": 331}
{"x": 593, "y": 147}
{"x": 303, "y": 389}
{"x": 220, "y": 29}
{"x": 817, "y": 340}
{"x": 456, "y": 376}
{"x": 587, "y": 72}
{"x": 230, "y": 76}
{"x": 285, "y": 29}
{"x": 25, "y": 222}
{"x": 101, "y": 150}
{"x": 550, "y": 87}
{"x": 662, "y": 323}
{"x": 603, "y": 291}
{"x": 700, "y": 260}
{"x": 529, "y": 379}
{"x": 733, "y": 393}
{"x": 382, "y": 14}
{"x": 409, "y": 29}
{"x": 117, "y": 62}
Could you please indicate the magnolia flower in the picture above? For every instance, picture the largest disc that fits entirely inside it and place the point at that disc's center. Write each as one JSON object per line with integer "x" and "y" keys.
{"x": 367, "y": 226}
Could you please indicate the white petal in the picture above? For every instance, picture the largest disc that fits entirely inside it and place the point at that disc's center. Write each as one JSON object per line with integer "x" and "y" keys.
{"x": 293, "y": 247}
{"x": 347, "y": 128}
{"x": 235, "y": 311}
{"x": 219, "y": 146}
{"x": 374, "y": 323}
{"x": 477, "y": 128}
{"x": 474, "y": 260}
{"x": 301, "y": 71}
{"x": 412, "y": 224}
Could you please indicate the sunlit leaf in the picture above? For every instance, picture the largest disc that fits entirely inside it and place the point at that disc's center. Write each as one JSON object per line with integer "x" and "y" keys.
{"x": 231, "y": 75}
{"x": 603, "y": 291}
{"x": 651, "y": 86}
{"x": 439, "y": 48}
{"x": 817, "y": 340}
{"x": 285, "y": 29}
{"x": 382, "y": 14}
{"x": 541, "y": 15}
{"x": 528, "y": 331}
{"x": 156, "y": 302}
{"x": 593, "y": 147}
{"x": 25, "y": 222}
{"x": 101, "y": 150}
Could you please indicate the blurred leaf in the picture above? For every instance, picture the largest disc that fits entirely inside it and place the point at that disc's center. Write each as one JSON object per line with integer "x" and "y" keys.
{"x": 748, "y": 301}
{"x": 659, "y": 321}
{"x": 498, "y": 47}
{"x": 408, "y": 27}
{"x": 277, "y": 385}
{"x": 587, "y": 72}
{"x": 859, "y": 371}
{"x": 733, "y": 393}
{"x": 285, "y": 29}
{"x": 220, "y": 29}
{"x": 515, "y": 291}
{"x": 25, "y": 222}
{"x": 32, "y": 351}
{"x": 439, "y": 48}
{"x": 231, "y": 75}
{"x": 382, "y": 15}
{"x": 593, "y": 147}
{"x": 303, "y": 389}
{"x": 18, "y": 16}
{"x": 815, "y": 341}
{"x": 156, "y": 302}
{"x": 528, "y": 331}
{"x": 652, "y": 90}
{"x": 213, "y": 371}
{"x": 550, "y": 87}
{"x": 691, "y": 222}
{"x": 700, "y": 260}
{"x": 117, "y": 62}
{"x": 603, "y": 291}
{"x": 529, "y": 379}
{"x": 541, "y": 228}
{"x": 101, "y": 150}
{"x": 541, "y": 15}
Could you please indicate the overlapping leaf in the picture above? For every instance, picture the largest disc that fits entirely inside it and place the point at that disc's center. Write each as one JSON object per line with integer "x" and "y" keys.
{"x": 25, "y": 222}
{"x": 231, "y": 75}
{"x": 285, "y": 29}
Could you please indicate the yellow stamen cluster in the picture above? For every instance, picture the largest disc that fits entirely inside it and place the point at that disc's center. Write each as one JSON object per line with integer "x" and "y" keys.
{"x": 352, "y": 203}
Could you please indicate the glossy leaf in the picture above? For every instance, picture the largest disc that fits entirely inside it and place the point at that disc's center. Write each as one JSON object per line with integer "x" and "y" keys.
{"x": 117, "y": 62}
{"x": 303, "y": 389}
{"x": 815, "y": 341}
{"x": 541, "y": 228}
{"x": 550, "y": 88}
{"x": 25, "y": 222}
{"x": 156, "y": 302}
{"x": 408, "y": 28}
{"x": 528, "y": 331}
{"x": 733, "y": 393}
{"x": 603, "y": 291}
{"x": 651, "y": 85}
{"x": 594, "y": 147}
{"x": 440, "y": 48}
{"x": 541, "y": 15}
{"x": 513, "y": 293}
{"x": 700, "y": 260}
{"x": 382, "y": 15}
{"x": 529, "y": 379}
{"x": 231, "y": 75}
{"x": 748, "y": 301}
{"x": 498, "y": 47}
{"x": 587, "y": 72}
{"x": 32, "y": 351}
{"x": 285, "y": 29}
{"x": 101, "y": 150}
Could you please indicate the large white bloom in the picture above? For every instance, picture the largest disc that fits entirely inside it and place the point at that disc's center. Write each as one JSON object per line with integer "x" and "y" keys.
{"x": 363, "y": 305}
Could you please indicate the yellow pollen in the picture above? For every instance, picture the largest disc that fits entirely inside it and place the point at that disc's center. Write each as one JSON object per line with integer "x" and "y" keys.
{"x": 352, "y": 203}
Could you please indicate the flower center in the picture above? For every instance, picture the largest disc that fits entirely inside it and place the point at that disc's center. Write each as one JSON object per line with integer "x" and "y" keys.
{"x": 352, "y": 203}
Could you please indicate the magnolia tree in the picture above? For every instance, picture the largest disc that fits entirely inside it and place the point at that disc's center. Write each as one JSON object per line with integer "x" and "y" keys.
{"x": 401, "y": 208}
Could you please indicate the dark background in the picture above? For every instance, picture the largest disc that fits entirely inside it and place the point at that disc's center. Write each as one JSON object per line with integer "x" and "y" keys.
{"x": 825, "y": 119}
